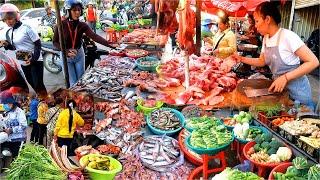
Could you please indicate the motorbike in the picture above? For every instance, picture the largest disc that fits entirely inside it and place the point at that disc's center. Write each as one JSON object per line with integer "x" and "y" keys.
{"x": 10, "y": 77}
{"x": 52, "y": 60}
{"x": 106, "y": 21}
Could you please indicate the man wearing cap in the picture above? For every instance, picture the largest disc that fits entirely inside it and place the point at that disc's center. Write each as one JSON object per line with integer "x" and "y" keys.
{"x": 206, "y": 26}
{"x": 49, "y": 19}
{"x": 15, "y": 125}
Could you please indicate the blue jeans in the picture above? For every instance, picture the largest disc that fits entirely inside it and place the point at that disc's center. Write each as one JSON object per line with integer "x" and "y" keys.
{"x": 76, "y": 66}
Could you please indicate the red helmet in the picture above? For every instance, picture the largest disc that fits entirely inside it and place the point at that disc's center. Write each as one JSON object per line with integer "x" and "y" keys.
{"x": 9, "y": 8}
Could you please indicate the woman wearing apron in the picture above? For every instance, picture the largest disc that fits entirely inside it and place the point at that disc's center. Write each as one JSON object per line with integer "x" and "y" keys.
{"x": 282, "y": 51}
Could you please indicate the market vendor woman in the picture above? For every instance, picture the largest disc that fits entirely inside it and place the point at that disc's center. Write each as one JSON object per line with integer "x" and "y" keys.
{"x": 73, "y": 31}
{"x": 282, "y": 51}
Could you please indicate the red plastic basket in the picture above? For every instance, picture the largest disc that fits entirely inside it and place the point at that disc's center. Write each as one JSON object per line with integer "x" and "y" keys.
{"x": 187, "y": 154}
{"x": 280, "y": 168}
{"x": 262, "y": 167}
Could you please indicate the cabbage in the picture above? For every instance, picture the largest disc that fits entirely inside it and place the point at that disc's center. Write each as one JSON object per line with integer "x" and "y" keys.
{"x": 284, "y": 153}
{"x": 300, "y": 163}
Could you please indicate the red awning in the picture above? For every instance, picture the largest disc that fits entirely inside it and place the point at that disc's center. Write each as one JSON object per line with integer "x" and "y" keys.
{"x": 236, "y": 8}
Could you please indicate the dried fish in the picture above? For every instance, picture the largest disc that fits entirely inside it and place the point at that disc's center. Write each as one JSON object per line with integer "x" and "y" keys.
{"x": 164, "y": 120}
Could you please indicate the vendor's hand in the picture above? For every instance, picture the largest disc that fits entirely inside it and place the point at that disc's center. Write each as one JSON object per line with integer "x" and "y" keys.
{"x": 8, "y": 131}
{"x": 3, "y": 43}
{"x": 237, "y": 57}
{"x": 279, "y": 84}
{"x": 215, "y": 52}
{"x": 28, "y": 62}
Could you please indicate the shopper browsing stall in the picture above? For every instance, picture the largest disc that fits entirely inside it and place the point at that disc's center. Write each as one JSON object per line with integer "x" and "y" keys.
{"x": 224, "y": 41}
{"x": 27, "y": 45}
{"x": 15, "y": 124}
{"x": 42, "y": 122}
{"x": 33, "y": 108}
{"x": 67, "y": 122}
{"x": 282, "y": 51}
{"x": 73, "y": 31}
{"x": 51, "y": 117}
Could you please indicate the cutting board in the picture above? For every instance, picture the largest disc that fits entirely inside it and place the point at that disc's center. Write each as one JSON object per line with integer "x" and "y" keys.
{"x": 240, "y": 100}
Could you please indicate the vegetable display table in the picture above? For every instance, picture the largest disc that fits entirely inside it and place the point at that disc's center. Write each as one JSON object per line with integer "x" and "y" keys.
{"x": 204, "y": 167}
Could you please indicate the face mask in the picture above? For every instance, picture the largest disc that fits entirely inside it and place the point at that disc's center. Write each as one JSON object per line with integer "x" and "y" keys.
{"x": 6, "y": 107}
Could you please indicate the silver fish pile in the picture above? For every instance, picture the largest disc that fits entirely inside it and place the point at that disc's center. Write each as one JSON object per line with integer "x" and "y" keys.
{"x": 164, "y": 120}
{"x": 118, "y": 137}
{"x": 118, "y": 62}
{"x": 160, "y": 152}
{"x": 105, "y": 83}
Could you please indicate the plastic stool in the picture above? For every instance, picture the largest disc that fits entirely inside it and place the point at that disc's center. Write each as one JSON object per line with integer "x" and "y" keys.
{"x": 204, "y": 167}
{"x": 239, "y": 150}
{"x": 111, "y": 35}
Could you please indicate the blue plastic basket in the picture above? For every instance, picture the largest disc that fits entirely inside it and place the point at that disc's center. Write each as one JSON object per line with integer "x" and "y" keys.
{"x": 162, "y": 132}
{"x": 191, "y": 129}
{"x": 147, "y": 68}
{"x": 210, "y": 151}
{"x": 242, "y": 141}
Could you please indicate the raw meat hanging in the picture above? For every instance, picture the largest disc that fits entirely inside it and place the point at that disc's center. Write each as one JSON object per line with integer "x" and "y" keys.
{"x": 187, "y": 23}
{"x": 167, "y": 15}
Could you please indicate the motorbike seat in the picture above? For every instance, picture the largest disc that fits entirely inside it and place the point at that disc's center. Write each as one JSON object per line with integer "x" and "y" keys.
{"x": 49, "y": 45}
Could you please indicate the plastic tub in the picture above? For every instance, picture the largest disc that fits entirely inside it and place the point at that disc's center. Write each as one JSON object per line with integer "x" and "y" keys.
{"x": 265, "y": 165}
{"x": 242, "y": 141}
{"x": 146, "y": 67}
{"x": 100, "y": 174}
{"x": 193, "y": 159}
{"x": 148, "y": 110}
{"x": 163, "y": 132}
{"x": 209, "y": 151}
{"x": 282, "y": 168}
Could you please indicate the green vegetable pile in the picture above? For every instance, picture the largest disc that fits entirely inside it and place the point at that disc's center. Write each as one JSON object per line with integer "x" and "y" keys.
{"x": 34, "y": 162}
{"x": 231, "y": 174}
{"x": 213, "y": 137}
{"x": 143, "y": 22}
{"x": 242, "y": 117}
{"x": 266, "y": 143}
{"x": 300, "y": 170}
{"x": 118, "y": 27}
{"x": 269, "y": 109}
{"x": 202, "y": 122}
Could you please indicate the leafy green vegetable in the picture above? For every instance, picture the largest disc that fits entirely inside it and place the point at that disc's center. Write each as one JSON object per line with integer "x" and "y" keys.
{"x": 292, "y": 171}
{"x": 256, "y": 147}
{"x": 265, "y": 145}
{"x": 267, "y": 137}
{"x": 229, "y": 173}
{"x": 275, "y": 144}
{"x": 300, "y": 163}
{"x": 258, "y": 139}
{"x": 34, "y": 162}
{"x": 269, "y": 109}
{"x": 202, "y": 122}
{"x": 314, "y": 173}
{"x": 272, "y": 151}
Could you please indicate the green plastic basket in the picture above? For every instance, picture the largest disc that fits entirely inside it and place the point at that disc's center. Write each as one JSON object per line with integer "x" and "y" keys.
{"x": 147, "y": 110}
{"x": 147, "y": 68}
{"x": 103, "y": 175}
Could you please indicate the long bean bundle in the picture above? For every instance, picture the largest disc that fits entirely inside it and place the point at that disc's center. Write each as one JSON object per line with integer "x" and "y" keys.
{"x": 34, "y": 162}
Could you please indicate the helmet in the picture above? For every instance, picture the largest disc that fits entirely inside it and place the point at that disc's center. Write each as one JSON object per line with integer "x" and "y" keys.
{"x": 69, "y": 4}
{"x": 9, "y": 8}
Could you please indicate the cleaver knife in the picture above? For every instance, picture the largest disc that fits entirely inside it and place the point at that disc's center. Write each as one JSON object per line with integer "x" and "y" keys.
{"x": 257, "y": 92}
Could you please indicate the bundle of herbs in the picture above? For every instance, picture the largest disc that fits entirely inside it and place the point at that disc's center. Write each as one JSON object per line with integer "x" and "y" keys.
{"x": 268, "y": 109}
{"x": 34, "y": 162}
